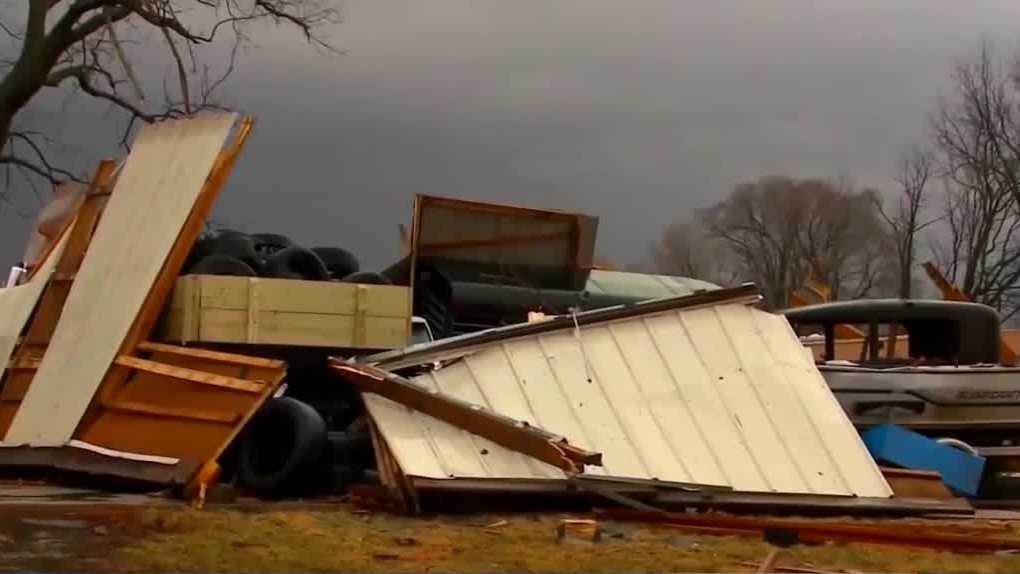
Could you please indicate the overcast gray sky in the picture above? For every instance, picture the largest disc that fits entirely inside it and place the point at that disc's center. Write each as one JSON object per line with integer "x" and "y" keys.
{"x": 636, "y": 112}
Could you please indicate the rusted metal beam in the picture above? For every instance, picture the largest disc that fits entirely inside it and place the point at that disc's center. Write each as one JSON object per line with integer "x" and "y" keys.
{"x": 511, "y": 433}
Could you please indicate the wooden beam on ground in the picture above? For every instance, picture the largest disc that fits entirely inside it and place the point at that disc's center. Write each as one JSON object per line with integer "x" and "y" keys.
{"x": 513, "y": 434}
{"x": 950, "y": 292}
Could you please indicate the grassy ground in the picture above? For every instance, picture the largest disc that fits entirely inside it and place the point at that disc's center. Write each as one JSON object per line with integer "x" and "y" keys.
{"x": 345, "y": 540}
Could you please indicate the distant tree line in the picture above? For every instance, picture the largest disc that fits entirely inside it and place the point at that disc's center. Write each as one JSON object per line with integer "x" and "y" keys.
{"x": 956, "y": 202}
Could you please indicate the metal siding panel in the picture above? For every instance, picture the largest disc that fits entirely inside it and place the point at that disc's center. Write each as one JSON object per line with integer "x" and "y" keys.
{"x": 809, "y": 453}
{"x": 497, "y": 382}
{"x": 710, "y": 413}
{"x": 409, "y": 442}
{"x": 553, "y": 410}
{"x": 154, "y": 193}
{"x": 743, "y": 403}
{"x": 458, "y": 450}
{"x": 721, "y": 395}
{"x": 855, "y": 464}
{"x": 568, "y": 358}
{"x": 688, "y": 451}
{"x": 462, "y": 384}
{"x": 648, "y": 447}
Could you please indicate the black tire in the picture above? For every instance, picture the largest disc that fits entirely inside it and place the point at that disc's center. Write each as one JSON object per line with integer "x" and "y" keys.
{"x": 237, "y": 245}
{"x": 199, "y": 250}
{"x": 296, "y": 263}
{"x": 266, "y": 244}
{"x": 351, "y": 448}
{"x": 367, "y": 278}
{"x": 283, "y": 442}
{"x": 340, "y": 262}
{"x": 222, "y": 265}
{"x": 338, "y": 413}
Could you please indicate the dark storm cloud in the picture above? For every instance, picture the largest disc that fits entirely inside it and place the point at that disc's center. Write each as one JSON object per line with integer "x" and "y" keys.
{"x": 636, "y": 112}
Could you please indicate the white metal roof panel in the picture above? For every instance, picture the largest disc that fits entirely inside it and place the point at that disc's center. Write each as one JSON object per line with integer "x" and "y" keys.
{"x": 722, "y": 395}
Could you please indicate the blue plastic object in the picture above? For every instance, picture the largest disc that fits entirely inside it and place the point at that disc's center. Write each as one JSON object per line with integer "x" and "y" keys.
{"x": 961, "y": 471}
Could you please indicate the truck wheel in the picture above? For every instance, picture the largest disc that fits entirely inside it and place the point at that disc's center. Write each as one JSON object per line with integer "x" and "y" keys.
{"x": 296, "y": 262}
{"x": 283, "y": 442}
{"x": 340, "y": 262}
{"x": 222, "y": 265}
{"x": 367, "y": 278}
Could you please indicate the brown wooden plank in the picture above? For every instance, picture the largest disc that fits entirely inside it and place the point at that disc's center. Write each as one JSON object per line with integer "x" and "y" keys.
{"x": 190, "y": 375}
{"x": 234, "y": 358}
{"x": 505, "y": 431}
{"x": 169, "y": 412}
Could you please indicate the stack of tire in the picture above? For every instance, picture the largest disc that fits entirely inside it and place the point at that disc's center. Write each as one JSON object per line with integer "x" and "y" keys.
{"x": 292, "y": 447}
{"x": 229, "y": 252}
{"x": 288, "y": 449}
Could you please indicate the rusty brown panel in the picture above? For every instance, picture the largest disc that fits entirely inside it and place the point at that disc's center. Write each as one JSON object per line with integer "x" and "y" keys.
{"x": 162, "y": 436}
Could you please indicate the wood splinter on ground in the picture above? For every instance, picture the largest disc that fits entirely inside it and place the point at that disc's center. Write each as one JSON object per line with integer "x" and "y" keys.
{"x": 582, "y": 528}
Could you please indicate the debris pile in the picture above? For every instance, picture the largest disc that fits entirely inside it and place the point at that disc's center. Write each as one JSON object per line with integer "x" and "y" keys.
{"x": 138, "y": 347}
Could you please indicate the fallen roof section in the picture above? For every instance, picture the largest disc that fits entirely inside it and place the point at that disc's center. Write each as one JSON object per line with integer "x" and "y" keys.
{"x": 156, "y": 190}
{"x": 698, "y": 390}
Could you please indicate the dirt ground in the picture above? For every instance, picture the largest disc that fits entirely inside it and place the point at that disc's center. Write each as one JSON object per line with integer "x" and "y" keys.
{"x": 128, "y": 536}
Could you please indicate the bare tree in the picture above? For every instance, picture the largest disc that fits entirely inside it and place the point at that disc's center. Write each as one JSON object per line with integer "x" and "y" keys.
{"x": 977, "y": 137}
{"x": 687, "y": 250}
{"x": 91, "y": 45}
{"x": 782, "y": 230}
{"x": 908, "y": 220}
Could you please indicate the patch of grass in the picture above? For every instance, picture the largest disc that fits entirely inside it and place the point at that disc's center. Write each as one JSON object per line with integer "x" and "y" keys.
{"x": 342, "y": 540}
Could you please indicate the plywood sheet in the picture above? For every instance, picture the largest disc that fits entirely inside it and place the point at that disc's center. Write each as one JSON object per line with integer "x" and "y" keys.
{"x": 154, "y": 194}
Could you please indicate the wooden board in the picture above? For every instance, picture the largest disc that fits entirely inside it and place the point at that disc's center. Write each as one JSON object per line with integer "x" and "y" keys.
{"x": 66, "y": 256}
{"x": 181, "y": 402}
{"x": 220, "y": 309}
{"x": 154, "y": 195}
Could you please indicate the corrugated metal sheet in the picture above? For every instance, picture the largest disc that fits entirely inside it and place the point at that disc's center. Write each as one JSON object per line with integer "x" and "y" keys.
{"x": 644, "y": 285}
{"x": 155, "y": 192}
{"x": 721, "y": 395}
